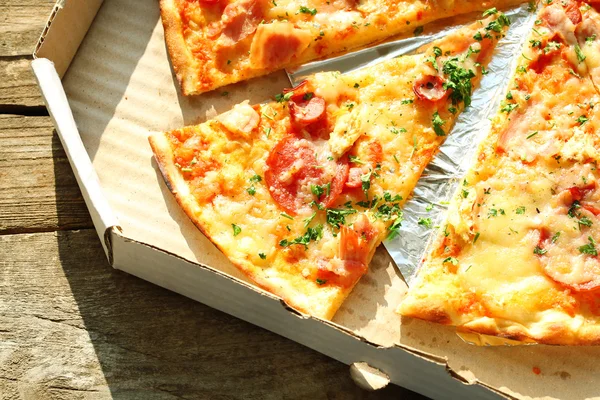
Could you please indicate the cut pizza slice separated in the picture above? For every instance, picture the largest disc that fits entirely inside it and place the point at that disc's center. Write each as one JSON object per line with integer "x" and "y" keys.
{"x": 213, "y": 43}
{"x": 518, "y": 255}
{"x": 298, "y": 193}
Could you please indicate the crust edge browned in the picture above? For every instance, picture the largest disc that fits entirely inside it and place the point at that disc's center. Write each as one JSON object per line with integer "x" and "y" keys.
{"x": 181, "y": 59}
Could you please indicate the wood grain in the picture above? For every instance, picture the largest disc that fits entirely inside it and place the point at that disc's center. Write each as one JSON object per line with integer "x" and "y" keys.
{"x": 21, "y": 23}
{"x": 18, "y": 88}
{"x": 38, "y": 191}
{"x": 72, "y": 327}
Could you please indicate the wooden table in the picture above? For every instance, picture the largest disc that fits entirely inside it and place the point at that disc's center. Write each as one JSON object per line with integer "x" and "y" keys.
{"x": 73, "y": 328}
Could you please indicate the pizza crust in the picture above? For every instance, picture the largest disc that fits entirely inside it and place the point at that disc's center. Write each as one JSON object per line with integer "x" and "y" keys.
{"x": 183, "y": 62}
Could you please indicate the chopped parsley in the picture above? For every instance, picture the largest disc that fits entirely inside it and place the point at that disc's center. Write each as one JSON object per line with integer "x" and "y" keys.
{"x": 580, "y": 56}
{"x": 418, "y": 30}
{"x": 589, "y": 248}
{"x": 508, "y": 107}
{"x": 312, "y": 234}
{"x": 281, "y": 97}
{"x": 459, "y": 80}
{"x": 355, "y": 160}
{"x": 286, "y": 215}
{"x": 321, "y": 281}
{"x": 236, "y": 229}
{"x": 255, "y": 178}
{"x": 336, "y": 217}
{"x": 306, "y": 10}
{"x": 366, "y": 183}
{"x": 574, "y": 206}
{"x": 451, "y": 260}
{"x": 585, "y": 221}
{"x": 490, "y": 11}
{"x": 555, "y": 237}
{"x": 437, "y": 122}
{"x": 520, "y": 210}
{"x": 307, "y": 96}
{"x": 582, "y": 120}
{"x": 262, "y": 256}
{"x": 317, "y": 190}
{"x": 388, "y": 197}
{"x": 539, "y": 251}
{"x": 396, "y": 131}
{"x": 308, "y": 220}
{"x": 426, "y": 222}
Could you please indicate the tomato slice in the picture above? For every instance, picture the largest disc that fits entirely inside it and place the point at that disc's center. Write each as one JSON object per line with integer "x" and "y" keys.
{"x": 308, "y": 111}
{"x": 430, "y": 87}
{"x": 291, "y": 162}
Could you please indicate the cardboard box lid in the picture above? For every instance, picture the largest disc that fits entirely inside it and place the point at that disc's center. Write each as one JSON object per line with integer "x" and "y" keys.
{"x": 120, "y": 87}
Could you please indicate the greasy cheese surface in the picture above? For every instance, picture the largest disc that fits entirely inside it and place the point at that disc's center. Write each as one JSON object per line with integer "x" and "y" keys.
{"x": 231, "y": 40}
{"x": 518, "y": 255}
{"x": 370, "y": 114}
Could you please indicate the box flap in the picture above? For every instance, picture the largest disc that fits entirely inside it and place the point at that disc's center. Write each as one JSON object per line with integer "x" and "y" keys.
{"x": 60, "y": 112}
{"x": 67, "y": 25}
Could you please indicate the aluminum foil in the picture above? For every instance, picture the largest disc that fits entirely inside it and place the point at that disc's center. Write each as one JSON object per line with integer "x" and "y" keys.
{"x": 441, "y": 178}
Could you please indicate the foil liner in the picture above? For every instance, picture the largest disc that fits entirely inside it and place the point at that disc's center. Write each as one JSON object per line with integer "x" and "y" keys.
{"x": 442, "y": 176}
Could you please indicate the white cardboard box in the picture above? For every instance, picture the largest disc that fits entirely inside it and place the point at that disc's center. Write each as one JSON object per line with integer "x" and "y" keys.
{"x": 119, "y": 87}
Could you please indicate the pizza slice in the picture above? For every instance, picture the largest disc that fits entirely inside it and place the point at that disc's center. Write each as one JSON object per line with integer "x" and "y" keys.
{"x": 213, "y": 43}
{"x": 299, "y": 192}
{"x": 518, "y": 255}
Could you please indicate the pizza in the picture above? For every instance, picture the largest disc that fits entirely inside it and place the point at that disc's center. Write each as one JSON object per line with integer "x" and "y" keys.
{"x": 213, "y": 43}
{"x": 518, "y": 255}
{"x": 299, "y": 192}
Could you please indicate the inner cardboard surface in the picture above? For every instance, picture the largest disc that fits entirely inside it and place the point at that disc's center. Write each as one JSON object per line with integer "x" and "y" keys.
{"x": 121, "y": 87}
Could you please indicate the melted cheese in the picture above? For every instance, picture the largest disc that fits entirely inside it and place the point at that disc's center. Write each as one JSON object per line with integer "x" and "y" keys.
{"x": 326, "y": 27}
{"x": 374, "y": 117}
{"x": 515, "y": 257}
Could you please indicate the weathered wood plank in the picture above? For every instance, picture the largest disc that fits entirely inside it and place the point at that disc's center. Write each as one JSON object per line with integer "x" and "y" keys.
{"x": 72, "y": 327}
{"x": 38, "y": 191}
{"x": 21, "y": 23}
{"x": 17, "y": 85}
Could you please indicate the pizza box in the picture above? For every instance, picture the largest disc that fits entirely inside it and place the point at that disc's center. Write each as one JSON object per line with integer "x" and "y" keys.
{"x": 104, "y": 73}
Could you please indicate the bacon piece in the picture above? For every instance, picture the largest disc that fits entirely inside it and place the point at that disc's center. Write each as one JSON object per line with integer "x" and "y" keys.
{"x": 573, "y": 12}
{"x": 357, "y": 244}
{"x": 277, "y": 44}
{"x": 354, "y": 176}
{"x": 239, "y": 20}
{"x": 430, "y": 87}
